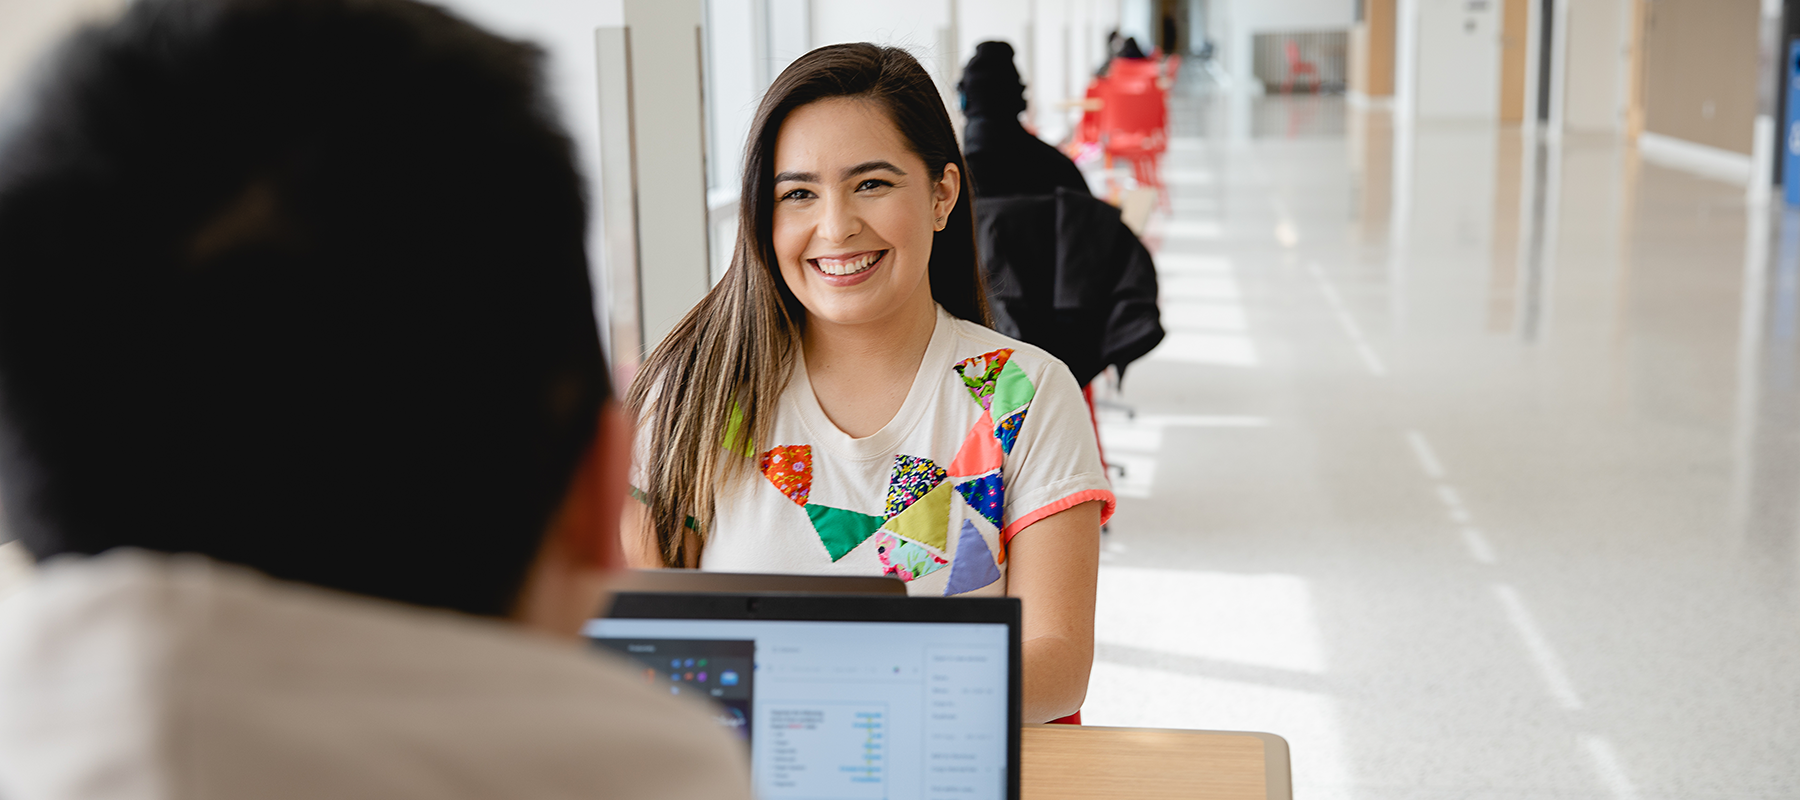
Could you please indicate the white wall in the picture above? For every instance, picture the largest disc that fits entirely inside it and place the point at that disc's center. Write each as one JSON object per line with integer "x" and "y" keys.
{"x": 1059, "y": 43}
{"x": 1595, "y": 65}
{"x": 1455, "y": 72}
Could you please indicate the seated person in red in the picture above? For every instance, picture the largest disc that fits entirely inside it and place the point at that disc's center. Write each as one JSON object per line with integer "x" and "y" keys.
{"x": 307, "y": 425}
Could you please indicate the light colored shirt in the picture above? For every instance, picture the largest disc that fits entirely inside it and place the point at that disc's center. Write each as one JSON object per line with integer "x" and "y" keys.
{"x": 993, "y": 436}
{"x": 141, "y": 676}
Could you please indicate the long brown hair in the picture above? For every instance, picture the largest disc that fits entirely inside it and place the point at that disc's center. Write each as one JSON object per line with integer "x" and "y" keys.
{"x": 710, "y": 389}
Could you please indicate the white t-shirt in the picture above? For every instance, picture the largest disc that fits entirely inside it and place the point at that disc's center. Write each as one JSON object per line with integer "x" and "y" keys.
{"x": 993, "y": 436}
{"x": 139, "y": 676}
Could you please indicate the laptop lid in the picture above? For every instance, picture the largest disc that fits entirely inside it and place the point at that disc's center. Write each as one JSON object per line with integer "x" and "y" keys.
{"x": 693, "y": 581}
{"x": 843, "y": 697}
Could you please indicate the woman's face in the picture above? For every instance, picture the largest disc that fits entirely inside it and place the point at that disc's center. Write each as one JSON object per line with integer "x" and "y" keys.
{"x": 855, "y": 211}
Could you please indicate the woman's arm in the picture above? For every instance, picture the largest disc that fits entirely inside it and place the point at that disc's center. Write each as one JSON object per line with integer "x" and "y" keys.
{"x": 639, "y": 541}
{"x": 636, "y": 538}
{"x": 1052, "y": 567}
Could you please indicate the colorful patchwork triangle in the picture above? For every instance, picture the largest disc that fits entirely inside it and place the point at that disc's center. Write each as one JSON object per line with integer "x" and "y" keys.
{"x": 904, "y": 559}
{"x": 987, "y": 495}
{"x": 927, "y": 520}
{"x": 841, "y": 530}
{"x": 980, "y": 451}
{"x": 1008, "y": 432}
{"x": 910, "y": 479}
{"x": 1012, "y": 390}
{"x": 789, "y": 467}
{"x": 979, "y": 374}
{"x": 974, "y": 567}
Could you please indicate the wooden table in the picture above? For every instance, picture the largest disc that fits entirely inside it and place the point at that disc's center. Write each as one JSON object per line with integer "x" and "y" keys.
{"x": 1079, "y": 762}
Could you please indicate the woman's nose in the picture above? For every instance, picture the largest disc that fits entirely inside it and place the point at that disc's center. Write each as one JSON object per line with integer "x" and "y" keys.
{"x": 840, "y": 221}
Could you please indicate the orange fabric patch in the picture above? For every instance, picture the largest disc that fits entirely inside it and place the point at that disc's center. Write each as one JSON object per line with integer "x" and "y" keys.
{"x": 980, "y": 452}
{"x": 789, "y": 467}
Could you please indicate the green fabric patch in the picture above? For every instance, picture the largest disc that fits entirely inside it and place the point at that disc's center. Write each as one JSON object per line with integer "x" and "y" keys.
{"x": 1012, "y": 391}
{"x": 841, "y": 530}
{"x": 737, "y": 439}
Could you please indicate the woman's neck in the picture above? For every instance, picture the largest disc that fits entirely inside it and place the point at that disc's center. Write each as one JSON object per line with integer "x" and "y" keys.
{"x": 862, "y": 373}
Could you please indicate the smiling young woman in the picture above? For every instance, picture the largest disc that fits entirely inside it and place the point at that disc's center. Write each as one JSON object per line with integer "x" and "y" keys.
{"x": 837, "y": 403}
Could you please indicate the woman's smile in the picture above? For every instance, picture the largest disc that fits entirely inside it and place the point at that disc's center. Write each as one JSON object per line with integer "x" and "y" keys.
{"x": 849, "y": 269}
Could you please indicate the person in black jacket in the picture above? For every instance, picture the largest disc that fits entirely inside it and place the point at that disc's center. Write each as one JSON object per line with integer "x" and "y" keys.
{"x": 1065, "y": 274}
{"x": 1005, "y": 159}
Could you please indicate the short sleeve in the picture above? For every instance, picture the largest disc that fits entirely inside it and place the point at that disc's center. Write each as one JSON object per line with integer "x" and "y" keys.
{"x": 1053, "y": 461}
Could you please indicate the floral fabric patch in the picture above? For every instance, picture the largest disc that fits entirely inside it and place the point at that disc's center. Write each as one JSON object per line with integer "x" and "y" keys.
{"x": 909, "y": 480}
{"x": 981, "y": 373}
{"x": 905, "y": 559}
{"x": 1008, "y": 431}
{"x": 789, "y": 467}
{"x": 987, "y": 495}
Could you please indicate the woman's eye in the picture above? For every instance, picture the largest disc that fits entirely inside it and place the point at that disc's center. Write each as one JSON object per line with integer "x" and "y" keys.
{"x": 797, "y": 194}
{"x": 872, "y": 183}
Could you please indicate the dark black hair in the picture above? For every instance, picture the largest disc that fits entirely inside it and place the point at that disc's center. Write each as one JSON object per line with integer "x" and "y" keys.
{"x": 300, "y": 285}
{"x": 990, "y": 83}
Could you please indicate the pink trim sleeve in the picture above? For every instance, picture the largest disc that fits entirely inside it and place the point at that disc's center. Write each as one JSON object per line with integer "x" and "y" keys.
{"x": 1106, "y": 511}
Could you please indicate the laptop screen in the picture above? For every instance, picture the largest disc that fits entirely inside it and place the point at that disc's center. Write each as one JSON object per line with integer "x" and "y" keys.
{"x": 841, "y": 708}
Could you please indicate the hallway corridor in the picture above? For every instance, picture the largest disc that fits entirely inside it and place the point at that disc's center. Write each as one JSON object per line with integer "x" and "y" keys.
{"x": 1469, "y": 465}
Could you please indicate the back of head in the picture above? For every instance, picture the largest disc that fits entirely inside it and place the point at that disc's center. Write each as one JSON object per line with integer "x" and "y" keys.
{"x": 296, "y": 284}
{"x": 990, "y": 83}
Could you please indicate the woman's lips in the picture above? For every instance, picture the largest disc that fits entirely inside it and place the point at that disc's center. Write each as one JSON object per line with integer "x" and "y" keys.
{"x": 848, "y": 270}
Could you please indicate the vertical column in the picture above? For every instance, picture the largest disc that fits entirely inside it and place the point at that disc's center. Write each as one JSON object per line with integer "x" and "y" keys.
{"x": 655, "y": 161}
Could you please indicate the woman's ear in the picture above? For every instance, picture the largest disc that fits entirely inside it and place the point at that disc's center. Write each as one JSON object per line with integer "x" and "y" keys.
{"x": 944, "y": 195}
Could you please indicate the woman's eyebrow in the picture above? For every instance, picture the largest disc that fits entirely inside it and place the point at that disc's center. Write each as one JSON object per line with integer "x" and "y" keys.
{"x": 872, "y": 166}
{"x": 797, "y": 177}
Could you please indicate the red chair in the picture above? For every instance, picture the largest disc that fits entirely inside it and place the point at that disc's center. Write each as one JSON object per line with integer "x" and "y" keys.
{"x": 1089, "y": 129}
{"x": 1298, "y": 66}
{"x": 1134, "y": 121}
{"x": 1130, "y": 70}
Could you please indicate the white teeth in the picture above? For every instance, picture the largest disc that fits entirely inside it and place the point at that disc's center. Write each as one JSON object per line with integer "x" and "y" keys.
{"x": 833, "y": 266}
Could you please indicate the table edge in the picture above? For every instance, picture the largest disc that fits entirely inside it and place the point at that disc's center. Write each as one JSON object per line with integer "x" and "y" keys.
{"x": 1278, "y": 777}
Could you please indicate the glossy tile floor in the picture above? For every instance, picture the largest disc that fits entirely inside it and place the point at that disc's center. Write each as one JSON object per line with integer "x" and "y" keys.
{"x": 1470, "y": 466}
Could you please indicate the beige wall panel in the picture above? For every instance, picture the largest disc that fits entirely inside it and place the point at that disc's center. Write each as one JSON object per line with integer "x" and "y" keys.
{"x": 1700, "y": 71}
{"x": 1379, "y": 25}
{"x": 1515, "y": 18}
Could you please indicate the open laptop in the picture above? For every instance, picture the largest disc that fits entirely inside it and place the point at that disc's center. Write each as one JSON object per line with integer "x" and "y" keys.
{"x": 843, "y": 696}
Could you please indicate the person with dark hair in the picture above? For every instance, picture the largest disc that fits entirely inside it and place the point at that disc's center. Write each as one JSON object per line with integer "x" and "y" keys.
{"x": 1005, "y": 159}
{"x": 838, "y": 404}
{"x": 306, "y": 423}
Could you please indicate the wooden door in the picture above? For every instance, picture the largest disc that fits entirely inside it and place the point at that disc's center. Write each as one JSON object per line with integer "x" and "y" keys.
{"x": 1514, "y": 22}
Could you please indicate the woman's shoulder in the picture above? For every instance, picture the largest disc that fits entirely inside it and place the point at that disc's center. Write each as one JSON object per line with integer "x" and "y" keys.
{"x": 974, "y": 340}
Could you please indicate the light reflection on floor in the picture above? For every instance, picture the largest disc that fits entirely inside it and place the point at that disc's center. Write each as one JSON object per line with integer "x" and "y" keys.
{"x": 1510, "y": 507}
